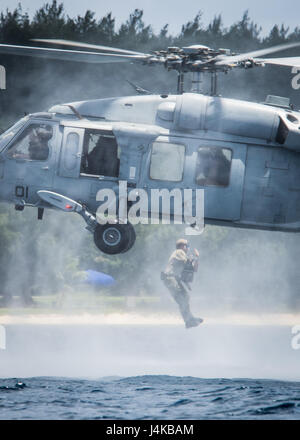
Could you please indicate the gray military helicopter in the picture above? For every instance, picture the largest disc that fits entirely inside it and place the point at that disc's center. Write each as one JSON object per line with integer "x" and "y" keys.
{"x": 245, "y": 156}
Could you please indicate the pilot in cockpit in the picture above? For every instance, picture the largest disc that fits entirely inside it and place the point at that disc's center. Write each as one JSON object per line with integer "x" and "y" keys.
{"x": 32, "y": 144}
{"x": 38, "y": 144}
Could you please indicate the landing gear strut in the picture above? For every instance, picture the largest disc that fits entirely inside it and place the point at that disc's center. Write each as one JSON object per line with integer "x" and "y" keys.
{"x": 109, "y": 238}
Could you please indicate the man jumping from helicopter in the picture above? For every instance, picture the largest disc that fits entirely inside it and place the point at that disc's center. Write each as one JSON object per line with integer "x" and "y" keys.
{"x": 178, "y": 273}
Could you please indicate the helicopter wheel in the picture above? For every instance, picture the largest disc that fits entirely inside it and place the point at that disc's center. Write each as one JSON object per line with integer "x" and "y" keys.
{"x": 114, "y": 239}
{"x": 132, "y": 238}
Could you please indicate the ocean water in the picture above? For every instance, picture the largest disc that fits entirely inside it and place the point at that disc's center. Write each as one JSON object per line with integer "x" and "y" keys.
{"x": 154, "y": 397}
{"x": 112, "y": 368}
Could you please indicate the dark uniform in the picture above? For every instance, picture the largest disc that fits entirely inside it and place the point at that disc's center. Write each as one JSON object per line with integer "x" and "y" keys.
{"x": 103, "y": 159}
{"x": 172, "y": 277}
{"x": 38, "y": 148}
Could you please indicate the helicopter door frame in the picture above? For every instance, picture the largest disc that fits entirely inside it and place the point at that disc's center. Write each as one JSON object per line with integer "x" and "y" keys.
{"x": 156, "y": 163}
{"x": 224, "y": 203}
{"x": 71, "y": 152}
{"x": 102, "y": 162}
{"x": 25, "y": 175}
{"x": 221, "y": 203}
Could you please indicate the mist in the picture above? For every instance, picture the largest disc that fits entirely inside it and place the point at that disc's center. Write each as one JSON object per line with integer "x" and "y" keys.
{"x": 244, "y": 290}
{"x": 130, "y": 350}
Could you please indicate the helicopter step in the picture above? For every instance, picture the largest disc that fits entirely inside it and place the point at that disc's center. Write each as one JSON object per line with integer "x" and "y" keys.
{"x": 109, "y": 238}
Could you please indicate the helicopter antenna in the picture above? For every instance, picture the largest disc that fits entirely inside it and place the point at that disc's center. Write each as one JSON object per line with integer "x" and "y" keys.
{"x": 139, "y": 89}
{"x": 75, "y": 111}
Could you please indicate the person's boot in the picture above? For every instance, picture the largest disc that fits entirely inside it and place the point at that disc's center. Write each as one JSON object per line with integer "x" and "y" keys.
{"x": 193, "y": 322}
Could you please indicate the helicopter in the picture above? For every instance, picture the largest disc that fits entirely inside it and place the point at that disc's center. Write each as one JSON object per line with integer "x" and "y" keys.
{"x": 244, "y": 156}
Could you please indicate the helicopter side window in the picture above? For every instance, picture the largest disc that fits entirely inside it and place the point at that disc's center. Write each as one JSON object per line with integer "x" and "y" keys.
{"x": 33, "y": 143}
{"x": 213, "y": 166}
{"x": 101, "y": 154}
{"x": 167, "y": 161}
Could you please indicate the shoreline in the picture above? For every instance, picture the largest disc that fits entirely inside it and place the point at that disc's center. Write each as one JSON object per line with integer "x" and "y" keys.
{"x": 151, "y": 319}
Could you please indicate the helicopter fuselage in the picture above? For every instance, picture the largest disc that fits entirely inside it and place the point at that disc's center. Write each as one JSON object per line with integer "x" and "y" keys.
{"x": 245, "y": 156}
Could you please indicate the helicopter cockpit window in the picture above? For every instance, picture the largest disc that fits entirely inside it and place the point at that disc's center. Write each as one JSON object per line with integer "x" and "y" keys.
{"x": 10, "y": 132}
{"x": 213, "y": 166}
{"x": 167, "y": 161}
{"x": 33, "y": 143}
{"x": 101, "y": 154}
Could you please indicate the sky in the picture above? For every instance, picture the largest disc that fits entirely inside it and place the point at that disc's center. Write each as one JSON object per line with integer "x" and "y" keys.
{"x": 177, "y": 12}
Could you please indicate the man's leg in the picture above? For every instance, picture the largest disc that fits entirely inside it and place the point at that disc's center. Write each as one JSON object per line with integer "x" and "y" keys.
{"x": 181, "y": 297}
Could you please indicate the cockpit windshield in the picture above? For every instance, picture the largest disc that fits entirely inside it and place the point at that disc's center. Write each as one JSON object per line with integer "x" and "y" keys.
{"x": 11, "y": 131}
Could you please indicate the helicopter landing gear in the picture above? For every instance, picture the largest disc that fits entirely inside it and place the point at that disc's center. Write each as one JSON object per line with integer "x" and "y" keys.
{"x": 111, "y": 239}
{"x": 115, "y": 238}
{"x": 132, "y": 238}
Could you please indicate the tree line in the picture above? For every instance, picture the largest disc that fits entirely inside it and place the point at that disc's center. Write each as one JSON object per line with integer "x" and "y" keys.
{"x": 50, "y": 21}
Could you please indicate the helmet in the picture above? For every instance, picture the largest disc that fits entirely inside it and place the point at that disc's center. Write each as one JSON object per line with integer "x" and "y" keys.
{"x": 181, "y": 242}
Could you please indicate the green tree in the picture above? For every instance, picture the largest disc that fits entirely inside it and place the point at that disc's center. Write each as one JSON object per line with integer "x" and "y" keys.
{"x": 49, "y": 21}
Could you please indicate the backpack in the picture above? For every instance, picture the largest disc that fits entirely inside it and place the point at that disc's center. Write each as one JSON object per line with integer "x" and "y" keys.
{"x": 187, "y": 274}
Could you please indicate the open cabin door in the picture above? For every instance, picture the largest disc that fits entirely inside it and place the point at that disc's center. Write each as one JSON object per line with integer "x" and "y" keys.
{"x": 89, "y": 161}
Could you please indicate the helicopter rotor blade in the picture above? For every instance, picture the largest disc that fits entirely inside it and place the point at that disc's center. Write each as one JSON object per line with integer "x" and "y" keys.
{"x": 69, "y": 55}
{"x": 286, "y": 61}
{"x": 257, "y": 53}
{"x": 86, "y": 46}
